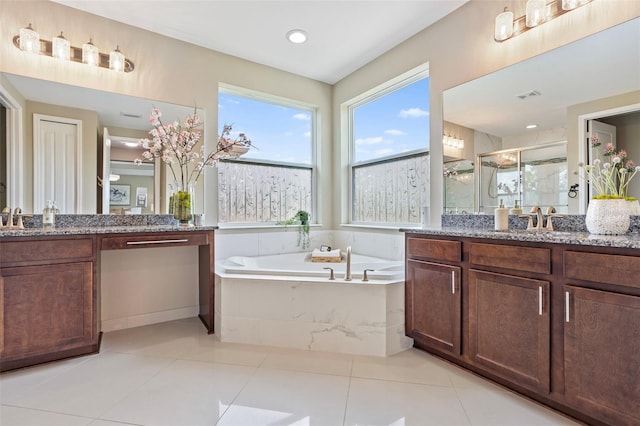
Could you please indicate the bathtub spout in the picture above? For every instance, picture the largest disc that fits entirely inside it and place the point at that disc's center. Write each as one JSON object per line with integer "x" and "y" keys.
{"x": 347, "y": 274}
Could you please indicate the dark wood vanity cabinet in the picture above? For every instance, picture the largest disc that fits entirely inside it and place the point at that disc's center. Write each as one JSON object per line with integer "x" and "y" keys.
{"x": 509, "y": 328}
{"x": 433, "y": 291}
{"x": 559, "y": 323}
{"x": 47, "y": 300}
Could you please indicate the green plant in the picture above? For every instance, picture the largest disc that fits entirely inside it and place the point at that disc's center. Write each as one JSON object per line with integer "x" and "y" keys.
{"x": 300, "y": 218}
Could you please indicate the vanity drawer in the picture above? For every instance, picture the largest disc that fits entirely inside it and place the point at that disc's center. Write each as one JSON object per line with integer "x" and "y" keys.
{"x": 527, "y": 259}
{"x": 154, "y": 240}
{"x": 434, "y": 249}
{"x": 51, "y": 250}
{"x": 602, "y": 268}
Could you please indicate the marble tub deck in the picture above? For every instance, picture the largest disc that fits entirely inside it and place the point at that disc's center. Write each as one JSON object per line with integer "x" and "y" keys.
{"x": 304, "y": 313}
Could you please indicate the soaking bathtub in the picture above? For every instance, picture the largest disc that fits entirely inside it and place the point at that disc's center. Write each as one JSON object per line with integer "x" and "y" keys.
{"x": 288, "y": 301}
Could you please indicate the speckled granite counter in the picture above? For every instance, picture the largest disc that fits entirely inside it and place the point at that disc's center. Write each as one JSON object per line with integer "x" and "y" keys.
{"x": 94, "y": 224}
{"x": 631, "y": 240}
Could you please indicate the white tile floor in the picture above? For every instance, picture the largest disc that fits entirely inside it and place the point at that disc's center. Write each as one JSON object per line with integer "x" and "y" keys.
{"x": 175, "y": 374}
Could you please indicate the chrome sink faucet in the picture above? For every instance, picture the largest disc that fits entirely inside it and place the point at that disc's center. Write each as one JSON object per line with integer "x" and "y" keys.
{"x": 347, "y": 274}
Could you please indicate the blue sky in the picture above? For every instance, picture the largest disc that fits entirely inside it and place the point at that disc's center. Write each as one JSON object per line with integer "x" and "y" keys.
{"x": 395, "y": 123}
{"x": 279, "y": 133}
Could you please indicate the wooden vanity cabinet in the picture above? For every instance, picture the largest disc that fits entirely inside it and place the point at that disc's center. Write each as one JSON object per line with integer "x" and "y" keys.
{"x": 558, "y": 323}
{"x": 509, "y": 327}
{"x": 602, "y": 335}
{"x": 48, "y": 299}
{"x": 433, "y": 294}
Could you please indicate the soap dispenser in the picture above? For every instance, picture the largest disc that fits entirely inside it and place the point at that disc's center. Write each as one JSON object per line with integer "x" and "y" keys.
{"x": 516, "y": 209}
{"x": 48, "y": 216}
{"x": 501, "y": 218}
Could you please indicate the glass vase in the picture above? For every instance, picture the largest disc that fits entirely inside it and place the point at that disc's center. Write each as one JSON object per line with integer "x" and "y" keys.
{"x": 183, "y": 206}
{"x": 608, "y": 216}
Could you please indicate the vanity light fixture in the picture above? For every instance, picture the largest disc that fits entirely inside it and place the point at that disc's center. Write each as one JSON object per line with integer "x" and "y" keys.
{"x": 504, "y": 25}
{"x": 453, "y": 142}
{"x": 537, "y": 13}
{"x": 61, "y": 47}
{"x": 28, "y": 40}
{"x": 90, "y": 54}
{"x": 116, "y": 60}
{"x": 297, "y": 36}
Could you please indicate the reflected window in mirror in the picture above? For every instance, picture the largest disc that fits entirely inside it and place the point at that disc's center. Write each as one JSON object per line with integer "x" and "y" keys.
{"x": 389, "y": 143}
{"x": 275, "y": 179}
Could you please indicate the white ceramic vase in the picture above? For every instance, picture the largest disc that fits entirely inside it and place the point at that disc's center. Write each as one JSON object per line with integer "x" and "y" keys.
{"x": 634, "y": 207}
{"x": 608, "y": 217}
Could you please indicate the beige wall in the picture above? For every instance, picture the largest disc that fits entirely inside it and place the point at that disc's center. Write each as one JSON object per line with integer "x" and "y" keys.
{"x": 460, "y": 48}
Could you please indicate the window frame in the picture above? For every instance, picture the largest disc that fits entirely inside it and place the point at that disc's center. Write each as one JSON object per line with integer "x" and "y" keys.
{"x": 419, "y": 73}
{"x": 314, "y": 136}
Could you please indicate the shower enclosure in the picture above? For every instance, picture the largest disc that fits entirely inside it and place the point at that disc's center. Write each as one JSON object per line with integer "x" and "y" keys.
{"x": 533, "y": 176}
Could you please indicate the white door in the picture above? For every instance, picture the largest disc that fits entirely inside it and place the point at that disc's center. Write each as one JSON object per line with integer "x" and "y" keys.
{"x": 106, "y": 171}
{"x": 605, "y": 132}
{"x": 57, "y": 165}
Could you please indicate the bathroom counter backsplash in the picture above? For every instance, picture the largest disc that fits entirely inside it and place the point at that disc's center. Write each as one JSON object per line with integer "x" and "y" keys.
{"x": 569, "y": 229}
{"x": 78, "y": 224}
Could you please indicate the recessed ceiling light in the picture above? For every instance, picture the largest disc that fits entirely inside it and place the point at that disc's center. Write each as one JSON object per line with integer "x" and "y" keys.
{"x": 297, "y": 36}
{"x": 532, "y": 126}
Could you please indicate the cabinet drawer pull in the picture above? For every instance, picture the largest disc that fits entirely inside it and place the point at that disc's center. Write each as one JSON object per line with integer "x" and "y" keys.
{"x": 566, "y": 306}
{"x": 138, "y": 243}
{"x": 453, "y": 282}
{"x": 540, "y": 300}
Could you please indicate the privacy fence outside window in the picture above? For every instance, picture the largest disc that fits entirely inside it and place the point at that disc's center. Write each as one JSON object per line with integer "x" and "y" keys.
{"x": 275, "y": 179}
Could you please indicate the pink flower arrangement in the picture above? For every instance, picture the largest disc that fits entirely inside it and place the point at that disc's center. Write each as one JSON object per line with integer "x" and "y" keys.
{"x": 609, "y": 179}
{"x": 174, "y": 144}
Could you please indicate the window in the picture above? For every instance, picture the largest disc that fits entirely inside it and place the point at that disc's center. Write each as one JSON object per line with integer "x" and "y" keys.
{"x": 274, "y": 179}
{"x": 389, "y": 152}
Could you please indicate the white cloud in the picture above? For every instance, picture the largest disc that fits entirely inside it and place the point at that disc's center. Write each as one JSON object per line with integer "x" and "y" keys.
{"x": 370, "y": 141}
{"x": 307, "y": 134}
{"x": 413, "y": 113}
{"x": 302, "y": 116}
{"x": 395, "y": 132}
{"x": 383, "y": 151}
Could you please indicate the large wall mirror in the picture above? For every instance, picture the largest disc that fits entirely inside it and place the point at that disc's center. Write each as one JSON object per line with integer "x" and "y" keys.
{"x": 98, "y": 134}
{"x": 559, "y": 92}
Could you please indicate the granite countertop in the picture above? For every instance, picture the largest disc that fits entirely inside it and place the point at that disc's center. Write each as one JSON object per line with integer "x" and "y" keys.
{"x": 96, "y": 230}
{"x": 94, "y": 224}
{"x": 629, "y": 240}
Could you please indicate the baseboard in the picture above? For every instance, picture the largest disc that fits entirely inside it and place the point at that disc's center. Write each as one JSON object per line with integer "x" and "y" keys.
{"x": 148, "y": 318}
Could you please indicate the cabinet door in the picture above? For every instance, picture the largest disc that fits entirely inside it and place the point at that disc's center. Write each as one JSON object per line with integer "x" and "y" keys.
{"x": 509, "y": 330}
{"x": 433, "y": 305}
{"x": 601, "y": 348}
{"x": 47, "y": 309}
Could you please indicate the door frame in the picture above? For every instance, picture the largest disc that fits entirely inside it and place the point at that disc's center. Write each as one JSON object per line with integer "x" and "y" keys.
{"x": 15, "y": 150}
{"x": 583, "y": 138}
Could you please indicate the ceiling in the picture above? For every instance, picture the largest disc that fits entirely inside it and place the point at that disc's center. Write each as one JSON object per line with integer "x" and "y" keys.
{"x": 343, "y": 35}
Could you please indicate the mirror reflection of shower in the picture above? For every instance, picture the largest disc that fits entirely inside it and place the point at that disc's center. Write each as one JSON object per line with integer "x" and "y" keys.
{"x": 533, "y": 176}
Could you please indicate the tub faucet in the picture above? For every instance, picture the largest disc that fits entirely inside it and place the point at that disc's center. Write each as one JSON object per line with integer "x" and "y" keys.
{"x": 347, "y": 274}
